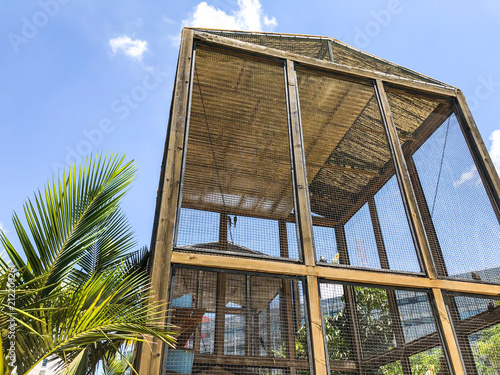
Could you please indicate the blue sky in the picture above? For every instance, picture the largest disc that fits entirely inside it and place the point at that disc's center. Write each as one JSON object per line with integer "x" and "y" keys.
{"x": 81, "y": 76}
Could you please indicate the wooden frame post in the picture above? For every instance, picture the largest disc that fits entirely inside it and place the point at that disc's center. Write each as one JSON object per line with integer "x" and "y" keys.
{"x": 304, "y": 218}
{"x": 405, "y": 183}
{"x": 149, "y": 356}
{"x": 450, "y": 341}
{"x": 417, "y": 224}
{"x": 483, "y": 157}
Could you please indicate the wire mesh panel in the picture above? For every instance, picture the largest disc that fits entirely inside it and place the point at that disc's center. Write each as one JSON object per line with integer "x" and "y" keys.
{"x": 328, "y": 49}
{"x": 347, "y": 55}
{"x": 315, "y": 47}
{"x": 239, "y": 322}
{"x": 380, "y": 331}
{"x": 354, "y": 195}
{"x": 477, "y": 327}
{"x": 237, "y": 195}
{"x": 460, "y": 221}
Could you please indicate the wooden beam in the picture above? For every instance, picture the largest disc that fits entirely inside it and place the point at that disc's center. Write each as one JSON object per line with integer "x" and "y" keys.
{"x": 150, "y": 359}
{"x": 450, "y": 341}
{"x": 479, "y": 321}
{"x": 301, "y": 191}
{"x": 416, "y": 346}
{"x": 401, "y": 82}
{"x": 462, "y": 337}
{"x": 340, "y": 274}
{"x": 405, "y": 184}
{"x": 248, "y": 315}
{"x": 316, "y": 321}
{"x": 250, "y": 361}
{"x": 377, "y": 231}
{"x": 220, "y": 314}
{"x": 479, "y": 150}
{"x": 305, "y": 222}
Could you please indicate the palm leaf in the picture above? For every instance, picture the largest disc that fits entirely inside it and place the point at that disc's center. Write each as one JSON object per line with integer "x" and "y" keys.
{"x": 81, "y": 293}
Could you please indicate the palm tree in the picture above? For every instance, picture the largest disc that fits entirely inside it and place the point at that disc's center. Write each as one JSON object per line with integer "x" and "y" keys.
{"x": 81, "y": 294}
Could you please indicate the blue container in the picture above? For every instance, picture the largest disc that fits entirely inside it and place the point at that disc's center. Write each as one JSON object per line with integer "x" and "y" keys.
{"x": 185, "y": 301}
{"x": 180, "y": 361}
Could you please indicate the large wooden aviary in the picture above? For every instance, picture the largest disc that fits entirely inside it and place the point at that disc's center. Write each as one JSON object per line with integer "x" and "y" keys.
{"x": 303, "y": 180}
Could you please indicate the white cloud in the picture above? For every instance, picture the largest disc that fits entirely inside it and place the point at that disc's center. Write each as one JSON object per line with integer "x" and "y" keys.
{"x": 132, "y": 48}
{"x": 249, "y": 17}
{"x": 467, "y": 176}
{"x": 495, "y": 149}
{"x": 2, "y": 228}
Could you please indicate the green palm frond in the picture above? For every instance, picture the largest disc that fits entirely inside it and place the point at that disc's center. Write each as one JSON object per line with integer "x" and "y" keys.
{"x": 81, "y": 293}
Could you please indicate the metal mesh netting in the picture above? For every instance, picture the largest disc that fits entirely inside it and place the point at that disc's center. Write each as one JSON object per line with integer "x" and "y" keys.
{"x": 314, "y": 47}
{"x": 328, "y": 49}
{"x": 380, "y": 331}
{"x": 346, "y": 55}
{"x": 358, "y": 214}
{"x": 237, "y": 195}
{"x": 244, "y": 324}
{"x": 461, "y": 224}
{"x": 477, "y": 328}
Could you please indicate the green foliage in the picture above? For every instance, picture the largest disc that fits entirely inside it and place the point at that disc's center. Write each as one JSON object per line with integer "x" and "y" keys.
{"x": 374, "y": 320}
{"x": 487, "y": 351}
{"x": 429, "y": 360}
{"x": 80, "y": 293}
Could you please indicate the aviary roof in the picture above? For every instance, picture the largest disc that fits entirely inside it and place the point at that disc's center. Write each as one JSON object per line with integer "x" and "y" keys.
{"x": 326, "y": 49}
{"x": 238, "y": 157}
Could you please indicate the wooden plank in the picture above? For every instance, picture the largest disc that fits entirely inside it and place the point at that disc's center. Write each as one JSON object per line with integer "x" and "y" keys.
{"x": 448, "y": 335}
{"x": 413, "y": 347}
{"x": 248, "y": 315}
{"x": 303, "y": 211}
{"x": 406, "y": 83}
{"x": 461, "y": 335}
{"x": 250, "y": 361}
{"x": 220, "y": 314}
{"x": 478, "y": 322}
{"x": 338, "y": 273}
{"x": 479, "y": 149}
{"x": 305, "y": 223}
{"x": 405, "y": 183}
{"x": 377, "y": 231}
{"x": 315, "y": 317}
{"x": 150, "y": 359}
